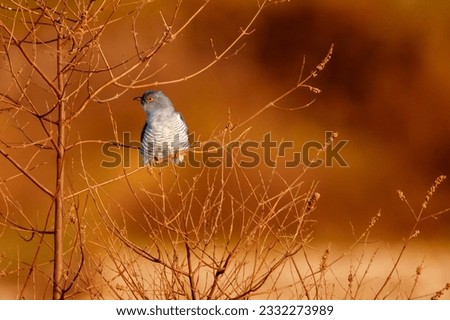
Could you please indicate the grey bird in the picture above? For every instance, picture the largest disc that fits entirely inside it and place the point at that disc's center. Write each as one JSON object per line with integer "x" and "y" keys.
{"x": 165, "y": 133}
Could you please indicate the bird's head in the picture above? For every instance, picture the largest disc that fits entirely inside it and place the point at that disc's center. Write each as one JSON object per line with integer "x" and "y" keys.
{"x": 154, "y": 100}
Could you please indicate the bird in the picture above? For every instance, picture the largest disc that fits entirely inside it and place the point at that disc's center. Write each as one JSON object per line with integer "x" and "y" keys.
{"x": 165, "y": 135}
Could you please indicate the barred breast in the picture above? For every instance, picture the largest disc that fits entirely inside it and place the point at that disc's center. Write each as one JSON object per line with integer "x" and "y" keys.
{"x": 164, "y": 137}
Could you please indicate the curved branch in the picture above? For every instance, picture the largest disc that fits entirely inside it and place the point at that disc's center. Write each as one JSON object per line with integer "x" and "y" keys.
{"x": 28, "y": 175}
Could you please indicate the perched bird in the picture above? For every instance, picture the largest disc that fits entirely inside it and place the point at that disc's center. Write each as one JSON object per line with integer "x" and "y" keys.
{"x": 165, "y": 133}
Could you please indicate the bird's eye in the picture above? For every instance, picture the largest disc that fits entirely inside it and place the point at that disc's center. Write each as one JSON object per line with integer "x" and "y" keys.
{"x": 149, "y": 99}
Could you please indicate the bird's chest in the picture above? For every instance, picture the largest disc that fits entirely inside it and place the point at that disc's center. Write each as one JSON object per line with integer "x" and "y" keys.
{"x": 159, "y": 129}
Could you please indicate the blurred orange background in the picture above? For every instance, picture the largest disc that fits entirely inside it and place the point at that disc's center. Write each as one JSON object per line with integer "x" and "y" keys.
{"x": 385, "y": 90}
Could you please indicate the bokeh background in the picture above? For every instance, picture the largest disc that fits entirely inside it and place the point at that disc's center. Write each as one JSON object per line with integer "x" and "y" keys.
{"x": 385, "y": 90}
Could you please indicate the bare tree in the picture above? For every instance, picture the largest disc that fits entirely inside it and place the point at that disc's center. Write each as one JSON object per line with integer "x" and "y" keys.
{"x": 219, "y": 233}
{"x": 54, "y": 66}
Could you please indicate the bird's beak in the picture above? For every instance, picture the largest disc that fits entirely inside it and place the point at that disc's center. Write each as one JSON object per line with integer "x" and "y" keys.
{"x": 137, "y": 98}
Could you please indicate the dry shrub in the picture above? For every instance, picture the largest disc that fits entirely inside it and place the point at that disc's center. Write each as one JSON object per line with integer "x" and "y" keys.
{"x": 202, "y": 233}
